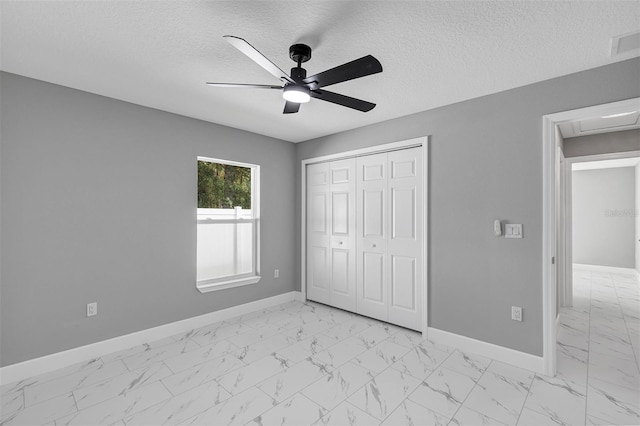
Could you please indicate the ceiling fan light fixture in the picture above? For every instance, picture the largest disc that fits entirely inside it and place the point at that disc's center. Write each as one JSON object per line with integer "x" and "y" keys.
{"x": 296, "y": 94}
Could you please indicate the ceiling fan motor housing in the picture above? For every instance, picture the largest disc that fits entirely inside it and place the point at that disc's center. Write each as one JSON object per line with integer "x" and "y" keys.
{"x": 298, "y": 74}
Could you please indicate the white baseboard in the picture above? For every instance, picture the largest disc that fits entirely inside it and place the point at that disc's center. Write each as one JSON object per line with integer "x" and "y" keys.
{"x": 611, "y": 269}
{"x": 499, "y": 353}
{"x": 33, "y": 367}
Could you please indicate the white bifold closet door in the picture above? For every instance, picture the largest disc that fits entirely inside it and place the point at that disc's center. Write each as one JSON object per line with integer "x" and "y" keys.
{"x": 331, "y": 236}
{"x": 364, "y": 235}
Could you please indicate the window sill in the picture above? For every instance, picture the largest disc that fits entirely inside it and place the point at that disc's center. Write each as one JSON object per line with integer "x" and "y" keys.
{"x": 205, "y": 287}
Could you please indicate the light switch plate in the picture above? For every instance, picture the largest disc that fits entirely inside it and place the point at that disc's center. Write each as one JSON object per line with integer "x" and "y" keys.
{"x": 513, "y": 230}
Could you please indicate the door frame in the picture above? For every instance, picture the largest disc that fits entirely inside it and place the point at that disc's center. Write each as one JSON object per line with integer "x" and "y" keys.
{"x": 550, "y": 178}
{"x": 422, "y": 142}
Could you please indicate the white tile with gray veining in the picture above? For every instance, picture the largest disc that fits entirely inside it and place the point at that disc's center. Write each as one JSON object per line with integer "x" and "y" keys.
{"x": 237, "y": 410}
{"x": 69, "y": 383}
{"x": 468, "y": 417}
{"x": 115, "y": 409}
{"x": 613, "y": 403}
{"x": 297, "y": 377}
{"x": 384, "y": 393}
{"x": 420, "y": 361}
{"x": 136, "y": 361}
{"x": 444, "y": 391}
{"x": 381, "y": 356}
{"x": 347, "y": 414}
{"x": 347, "y": 329}
{"x": 501, "y": 392}
{"x": 306, "y": 348}
{"x": 178, "y": 409}
{"x": 202, "y": 373}
{"x": 340, "y": 353}
{"x": 337, "y": 385}
{"x": 295, "y": 411}
{"x": 410, "y": 413}
{"x": 43, "y": 413}
{"x": 562, "y": 401}
{"x": 469, "y": 364}
{"x": 304, "y": 331}
{"x": 10, "y": 404}
{"x": 243, "y": 378}
{"x": 262, "y": 348}
{"x": 120, "y": 385}
{"x": 199, "y": 355}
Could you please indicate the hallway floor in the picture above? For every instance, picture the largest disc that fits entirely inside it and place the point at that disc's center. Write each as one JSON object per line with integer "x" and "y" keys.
{"x": 599, "y": 345}
{"x": 310, "y": 364}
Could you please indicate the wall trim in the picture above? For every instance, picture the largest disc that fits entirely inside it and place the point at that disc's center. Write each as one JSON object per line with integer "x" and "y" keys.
{"x": 36, "y": 366}
{"x": 499, "y": 353}
{"x": 611, "y": 269}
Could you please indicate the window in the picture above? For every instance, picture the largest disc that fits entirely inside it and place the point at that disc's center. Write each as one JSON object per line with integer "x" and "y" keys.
{"x": 227, "y": 224}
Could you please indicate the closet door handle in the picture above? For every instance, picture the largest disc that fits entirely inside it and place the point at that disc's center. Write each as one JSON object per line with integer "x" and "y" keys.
{"x": 373, "y": 245}
{"x": 340, "y": 243}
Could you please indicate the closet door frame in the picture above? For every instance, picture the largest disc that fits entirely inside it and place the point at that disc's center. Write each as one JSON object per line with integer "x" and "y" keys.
{"x": 410, "y": 143}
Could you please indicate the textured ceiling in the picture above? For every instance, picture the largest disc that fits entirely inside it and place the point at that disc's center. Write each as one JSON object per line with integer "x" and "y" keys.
{"x": 160, "y": 53}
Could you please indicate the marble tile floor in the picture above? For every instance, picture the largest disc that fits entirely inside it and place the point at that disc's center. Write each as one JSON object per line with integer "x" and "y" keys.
{"x": 303, "y": 364}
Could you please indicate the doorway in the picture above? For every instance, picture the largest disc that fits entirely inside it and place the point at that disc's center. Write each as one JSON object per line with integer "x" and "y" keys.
{"x": 556, "y": 249}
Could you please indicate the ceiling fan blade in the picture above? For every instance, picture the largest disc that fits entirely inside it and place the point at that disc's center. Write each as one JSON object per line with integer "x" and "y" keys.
{"x": 362, "y": 67}
{"x": 291, "y": 108}
{"x": 244, "y": 86}
{"x": 343, "y": 100}
{"x": 243, "y": 46}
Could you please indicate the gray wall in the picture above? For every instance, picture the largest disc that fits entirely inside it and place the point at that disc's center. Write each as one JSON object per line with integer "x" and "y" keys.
{"x": 604, "y": 143}
{"x": 98, "y": 204}
{"x": 603, "y": 221}
{"x": 486, "y": 163}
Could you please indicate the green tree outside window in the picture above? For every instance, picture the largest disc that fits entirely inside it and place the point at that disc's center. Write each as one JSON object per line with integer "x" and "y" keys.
{"x": 223, "y": 186}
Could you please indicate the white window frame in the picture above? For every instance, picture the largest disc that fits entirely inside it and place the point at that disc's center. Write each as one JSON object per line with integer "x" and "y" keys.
{"x": 252, "y": 277}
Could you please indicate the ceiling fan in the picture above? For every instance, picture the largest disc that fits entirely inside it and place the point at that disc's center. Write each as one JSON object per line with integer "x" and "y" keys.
{"x": 298, "y": 88}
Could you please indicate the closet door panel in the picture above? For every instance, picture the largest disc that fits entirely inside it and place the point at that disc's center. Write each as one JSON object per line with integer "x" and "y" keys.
{"x": 340, "y": 213}
{"x": 373, "y": 290}
{"x": 405, "y": 242}
{"x": 318, "y": 232}
{"x": 341, "y": 272}
{"x": 343, "y": 234}
{"x": 403, "y": 282}
{"x": 403, "y": 213}
{"x": 372, "y": 232}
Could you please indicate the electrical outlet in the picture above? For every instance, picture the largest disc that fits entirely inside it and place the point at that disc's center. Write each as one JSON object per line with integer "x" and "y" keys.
{"x": 92, "y": 309}
{"x": 516, "y": 313}
{"x": 276, "y": 273}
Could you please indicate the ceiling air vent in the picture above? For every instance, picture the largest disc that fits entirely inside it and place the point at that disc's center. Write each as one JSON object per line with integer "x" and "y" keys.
{"x": 625, "y": 43}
